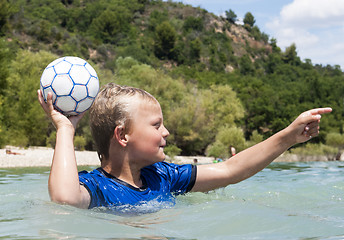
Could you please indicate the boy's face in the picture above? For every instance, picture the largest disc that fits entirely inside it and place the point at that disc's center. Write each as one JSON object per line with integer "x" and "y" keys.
{"x": 147, "y": 137}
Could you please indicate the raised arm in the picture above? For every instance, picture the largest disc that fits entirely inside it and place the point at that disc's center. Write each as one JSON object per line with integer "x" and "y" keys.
{"x": 252, "y": 160}
{"x": 63, "y": 183}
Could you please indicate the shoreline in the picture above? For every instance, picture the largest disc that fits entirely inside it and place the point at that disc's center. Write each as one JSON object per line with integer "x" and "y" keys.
{"x": 11, "y": 157}
{"x": 40, "y": 157}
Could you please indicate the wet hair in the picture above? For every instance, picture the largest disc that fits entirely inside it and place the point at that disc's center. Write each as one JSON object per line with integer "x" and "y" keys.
{"x": 112, "y": 108}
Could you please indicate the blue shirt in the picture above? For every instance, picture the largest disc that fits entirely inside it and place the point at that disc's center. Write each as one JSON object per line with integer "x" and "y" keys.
{"x": 161, "y": 182}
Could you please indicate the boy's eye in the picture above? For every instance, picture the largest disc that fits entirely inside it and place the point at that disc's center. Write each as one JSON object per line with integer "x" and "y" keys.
{"x": 157, "y": 125}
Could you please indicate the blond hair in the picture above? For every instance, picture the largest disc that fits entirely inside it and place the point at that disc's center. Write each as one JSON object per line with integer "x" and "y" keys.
{"x": 110, "y": 109}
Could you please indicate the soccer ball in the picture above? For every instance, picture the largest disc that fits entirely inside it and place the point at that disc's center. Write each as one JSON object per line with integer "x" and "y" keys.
{"x": 73, "y": 83}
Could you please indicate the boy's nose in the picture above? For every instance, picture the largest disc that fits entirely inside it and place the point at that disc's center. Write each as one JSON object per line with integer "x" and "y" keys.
{"x": 165, "y": 132}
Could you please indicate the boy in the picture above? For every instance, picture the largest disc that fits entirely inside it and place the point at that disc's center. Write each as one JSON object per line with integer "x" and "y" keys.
{"x": 127, "y": 126}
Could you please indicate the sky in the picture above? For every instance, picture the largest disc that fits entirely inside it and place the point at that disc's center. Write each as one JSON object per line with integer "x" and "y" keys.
{"x": 315, "y": 26}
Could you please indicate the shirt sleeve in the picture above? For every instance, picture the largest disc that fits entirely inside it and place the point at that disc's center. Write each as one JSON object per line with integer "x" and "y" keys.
{"x": 182, "y": 177}
{"x": 86, "y": 180}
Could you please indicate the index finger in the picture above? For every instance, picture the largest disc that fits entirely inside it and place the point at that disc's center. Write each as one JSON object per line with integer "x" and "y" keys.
{"x": 320, "y": 110}
{"x": 316, "y": 111}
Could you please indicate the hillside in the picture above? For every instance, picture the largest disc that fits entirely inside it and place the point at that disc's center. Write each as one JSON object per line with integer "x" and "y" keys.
{"x": 99, "y": 31}
{"x": 211, "y": 75}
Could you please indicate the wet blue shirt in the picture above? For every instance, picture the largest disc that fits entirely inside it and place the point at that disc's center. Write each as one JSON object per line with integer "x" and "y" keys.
{"x": 161, "y": 182}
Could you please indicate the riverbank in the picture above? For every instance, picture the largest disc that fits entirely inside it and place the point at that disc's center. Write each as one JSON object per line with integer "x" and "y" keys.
{"x": 41, "y": 157}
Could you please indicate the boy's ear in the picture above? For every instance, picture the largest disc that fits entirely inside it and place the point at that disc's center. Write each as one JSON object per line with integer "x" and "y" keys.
{"x": 121, "y": 136}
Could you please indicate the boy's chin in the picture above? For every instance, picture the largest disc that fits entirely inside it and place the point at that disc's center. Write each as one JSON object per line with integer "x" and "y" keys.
{"x": 162, "y": 158}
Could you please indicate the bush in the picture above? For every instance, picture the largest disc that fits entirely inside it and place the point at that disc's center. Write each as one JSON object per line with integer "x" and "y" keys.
{"x": 17, "y": 138}
{"x": 23, "y": 118}
{"x": 2, "y": 137}
{"x": 193, "y": 23}
{"x": 79, "y": 143}
{"x": 231, "y": 136}
{"x": 226, "y": 137}
{"x": 254, "y": 139}
{"x": 172, "y": 151}
{"x": 217, "y": 150}
{"x": 335, "y": 139}
{"x": 51, "y": 140}
{"x": 312, "y": 149}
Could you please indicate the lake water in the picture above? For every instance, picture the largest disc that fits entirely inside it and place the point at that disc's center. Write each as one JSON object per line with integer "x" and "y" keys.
{"x": 284, "y": 201}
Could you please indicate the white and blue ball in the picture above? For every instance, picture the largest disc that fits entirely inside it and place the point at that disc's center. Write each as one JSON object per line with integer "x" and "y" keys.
{"x": 73, "y": 82}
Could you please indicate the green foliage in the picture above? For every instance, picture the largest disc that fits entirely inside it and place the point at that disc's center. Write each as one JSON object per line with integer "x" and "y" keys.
{"x": 312, "y": 149}
{"x": 259, "y": 36}
{"x": 273, "y": 44}
{"x": 51, "y": 140}
{"x": 5, "y": 57}
{"x": 195, "y": 50}
{"x": 290, "y": 55}
{"x": 245, "y": 65}
{"x": 79, "y": 143}
{"x": 172, "y": 151}
{"x": 226, "y": 137}
{"x": 156, "y": 18}
{"x": 5, "y": 12}
{"x": 4, "y": 60}
{"x": 217, "y": 150}
{"x": 254, "y": 139}
{"x": 231, "y": 16}
{"x": 24, "y": 119}
{"x": 335, "y": 139}
{"x": 231, "y": 136}
{"x": 193, "y": 23}
{"x": 249, "y": 21}
{"x": 2, "y": 135}
{"x": 110, "y": 23}
{"x": 184, "y": 56}
{"x": 222, "y": 106}
{"x": 165, "y": 39}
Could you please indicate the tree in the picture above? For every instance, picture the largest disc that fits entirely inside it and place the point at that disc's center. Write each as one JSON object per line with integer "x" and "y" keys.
{"x": 335, "y": 139}
{"x": 249, "y": 21}
{"x": 195, "y": 50}
{"x": 165, "y": 39}
{"x": 226, "y": 137}
{"x": 156, "y": 18}
{"x": 111, "y": 23}
{"x": 222, "y": 107}
{"x": 4, "y": 62}
{"x": 290, "y": 55}
{"x": 254, "y": 139}
{"x": 273, "y": 43}
{"x": 231, "y": 16}
{"x": 245, "y": 65}
{"x": 25, "y": 121}
{"x": 4, "y": 14}
{"x": 4, "y": 72}
{"x": 193, "y": 23}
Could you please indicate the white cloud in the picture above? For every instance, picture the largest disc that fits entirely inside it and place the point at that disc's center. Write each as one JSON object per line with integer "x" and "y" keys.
{"x": 311, "y": 13}
{"x": 315, "y": 26}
